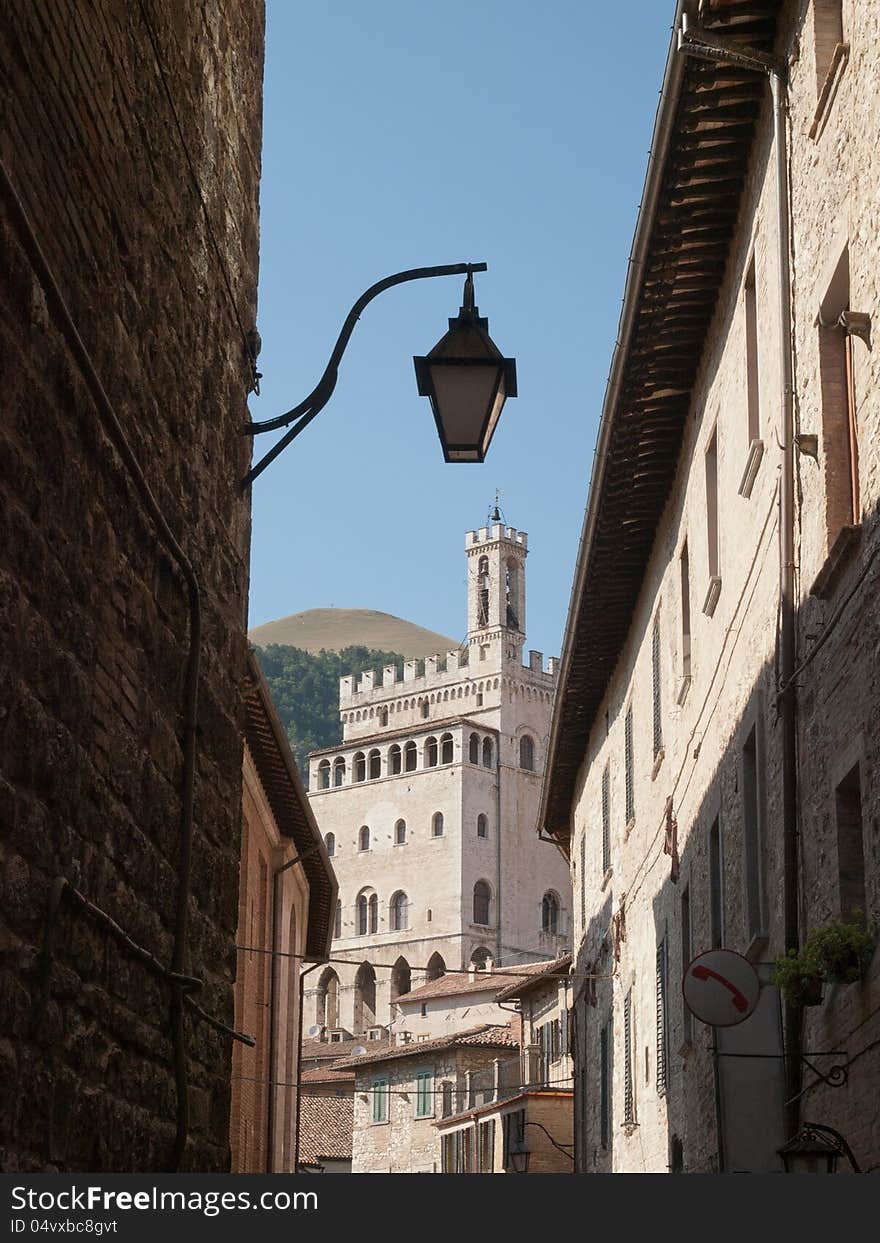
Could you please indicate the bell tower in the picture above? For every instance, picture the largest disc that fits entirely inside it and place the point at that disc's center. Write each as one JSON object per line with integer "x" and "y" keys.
{"x": 496, "y": 557}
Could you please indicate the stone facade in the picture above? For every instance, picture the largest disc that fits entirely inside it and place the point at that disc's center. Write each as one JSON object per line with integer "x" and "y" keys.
{"x": 95, "y": 615}
{"x": 429, "y": 805}
{"x": 394, "y": 1128}
{"x": 286, "y": 897}
{"x": 691, "y": 802}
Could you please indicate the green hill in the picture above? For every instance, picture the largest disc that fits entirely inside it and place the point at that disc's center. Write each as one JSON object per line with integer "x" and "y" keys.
{"x": 305, "y": 690}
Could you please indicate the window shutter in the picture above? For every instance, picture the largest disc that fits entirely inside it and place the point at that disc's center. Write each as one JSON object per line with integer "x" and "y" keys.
{"x": 604, "y": 1088}
{"x": 655, "y": 667}
{"x": 628, "y": 1103}
{"x": 628, "y": 757}
{"x": 606, "y": 820}
{"x": 662, "y": 1019}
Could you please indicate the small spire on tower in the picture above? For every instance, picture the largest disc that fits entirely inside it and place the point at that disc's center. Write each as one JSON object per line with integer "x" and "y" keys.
{"x": 495, "y": 514}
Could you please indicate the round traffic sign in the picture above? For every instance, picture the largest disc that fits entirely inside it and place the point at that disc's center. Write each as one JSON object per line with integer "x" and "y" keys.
{"x": 720, "y": 988}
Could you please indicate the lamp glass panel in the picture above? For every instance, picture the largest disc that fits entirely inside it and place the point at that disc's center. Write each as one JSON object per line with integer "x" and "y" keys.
{"x": 462, "y": 398}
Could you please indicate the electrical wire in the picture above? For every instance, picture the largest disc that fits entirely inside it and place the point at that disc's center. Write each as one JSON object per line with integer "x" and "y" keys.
{"x": 501, "y": 973}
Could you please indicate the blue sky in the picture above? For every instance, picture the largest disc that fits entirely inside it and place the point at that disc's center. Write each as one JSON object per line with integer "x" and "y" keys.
{"x": 402, "y": 135}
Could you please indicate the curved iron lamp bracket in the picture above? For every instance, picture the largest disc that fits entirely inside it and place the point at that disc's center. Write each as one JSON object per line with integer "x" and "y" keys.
{"x": 323, "y": 390}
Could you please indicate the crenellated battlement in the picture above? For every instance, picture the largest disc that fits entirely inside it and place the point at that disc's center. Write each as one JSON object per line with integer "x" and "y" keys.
{"x": 498, "y": 531}
{"x": 440, "y": 673}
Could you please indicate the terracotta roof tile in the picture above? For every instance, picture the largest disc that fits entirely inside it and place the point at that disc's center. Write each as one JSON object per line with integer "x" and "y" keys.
{"x": 326, "y": 1074}
{"x": 456, "y": 985}
{"x": 538, "y": 973}
{"x": 326, "y": 1124}
{"x": 487, "y": 1035}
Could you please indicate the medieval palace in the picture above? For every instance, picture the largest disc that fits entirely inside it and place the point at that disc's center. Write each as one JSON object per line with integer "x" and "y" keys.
{"x": 428, "y": 809}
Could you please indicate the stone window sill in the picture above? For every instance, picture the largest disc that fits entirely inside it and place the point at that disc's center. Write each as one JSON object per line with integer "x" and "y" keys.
{"x": 842, "y": 552}
{"x": 683, "y": 689}
{"x": 712, "y": 595}
{"x": 757, "y": 946}
{"x": 828, "y": 92}
{"x": 658, "y": 763}
{"x": 753, "y": 461}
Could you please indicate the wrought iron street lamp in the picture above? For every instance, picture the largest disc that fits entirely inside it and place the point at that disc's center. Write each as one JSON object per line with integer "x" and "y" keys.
{"x": 815, "y": 1149}
{"x": 465, "y": 376}
{"x": 468, "y": 381}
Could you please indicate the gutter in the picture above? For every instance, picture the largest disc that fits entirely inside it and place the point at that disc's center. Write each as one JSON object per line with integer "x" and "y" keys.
{"x": 669, "y": 95}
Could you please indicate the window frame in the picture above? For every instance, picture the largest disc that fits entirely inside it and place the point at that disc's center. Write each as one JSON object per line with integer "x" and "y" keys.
{"x": 424, "y": 1095}
{"x": 380, "y": 1100}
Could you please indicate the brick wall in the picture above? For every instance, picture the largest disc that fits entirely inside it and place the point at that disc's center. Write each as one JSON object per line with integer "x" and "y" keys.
{"x": 94, "y": 617}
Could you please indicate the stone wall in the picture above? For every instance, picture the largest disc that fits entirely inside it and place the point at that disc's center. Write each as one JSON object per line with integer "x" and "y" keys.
{"x": 710, "y": 704}
{"x": 94, "y": 615}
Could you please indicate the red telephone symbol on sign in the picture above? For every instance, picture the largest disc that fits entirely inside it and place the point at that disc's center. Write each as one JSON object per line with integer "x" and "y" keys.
{"x": 699, "y": 972}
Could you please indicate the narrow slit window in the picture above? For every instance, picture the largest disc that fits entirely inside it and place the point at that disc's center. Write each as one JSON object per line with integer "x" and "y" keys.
{"x": 685, "y": 565}
{"x": 750, "y": 299}
{"x": 756, "y": 860}
{"x": 716, "y": 885}
{"x": 712, "y": 504}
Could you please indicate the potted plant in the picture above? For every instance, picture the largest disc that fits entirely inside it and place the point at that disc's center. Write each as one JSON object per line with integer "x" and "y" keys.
{"x": 843, "y": 950}
{"x": 798, "y": 977}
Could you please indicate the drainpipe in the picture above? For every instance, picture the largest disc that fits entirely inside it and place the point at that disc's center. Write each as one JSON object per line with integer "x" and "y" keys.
{"x": 274, "y": 990}
{"x": 709, "y": 46}
{"x": 299, "y": 1062}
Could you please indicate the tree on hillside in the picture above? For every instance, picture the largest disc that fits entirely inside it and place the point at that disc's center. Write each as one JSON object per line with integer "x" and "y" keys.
{"x": 305, "y": 690}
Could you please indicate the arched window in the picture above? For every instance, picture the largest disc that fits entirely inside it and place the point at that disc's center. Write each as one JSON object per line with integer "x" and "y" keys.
{"x": 527, "y": 753}
{"x": 374, "y": 912}
{"x": 431, "y": 753}
{"x": 324, "y": 775}
{"x": 364, "y": 998}
{"x": 375, "y": 765}
{"x": 483, "y": 592}
{"x": 511, "y": 580}
{"x": 362, "y": 922}
{"x": 401, "y": 979}
{"x": 436, "y": 967}
{"x": 482, "y": 825}
{"x": 446, "y": 749}
{"x": 383, "y": 716}
{"x": 400, "y": 833}
{"x": 481, "y": 958}
{"x": 327, "y": 1007}
{"x": 425, "y": 709}
{"x": 360, "y": 767}
{"x": 330, "y": 843}
{"x": 394, "y": 758}
{"x": 364, "y": 838}
{"x": 399, "y": 912}
{"x": 488, "y": 753}
{"x": 410, "y": 757}
{"x": 437, "y": 824}
{"x": 474, "y": 749}
{"x": 550, "y": 912}
{"x": 337, "y": 925}
{"x": 338, "y": 771}
{"x": 482, "y": 901}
